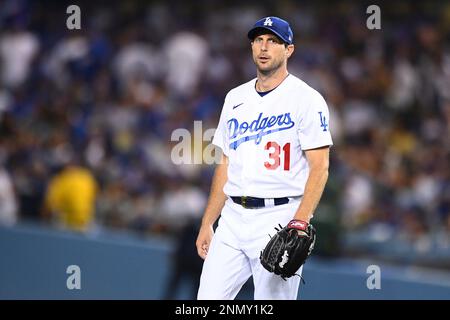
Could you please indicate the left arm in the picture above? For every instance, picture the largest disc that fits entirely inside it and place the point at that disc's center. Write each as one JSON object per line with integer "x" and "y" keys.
{"x": 318, "y": 160}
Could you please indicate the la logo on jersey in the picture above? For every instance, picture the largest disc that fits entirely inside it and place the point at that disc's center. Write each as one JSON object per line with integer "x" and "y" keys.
{"x": 268, "y": 22}
{"x": 260, "y": 126}
{"x": 323, "y": 121}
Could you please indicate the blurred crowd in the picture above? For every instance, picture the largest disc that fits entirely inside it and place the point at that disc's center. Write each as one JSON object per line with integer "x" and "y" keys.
{"x": 98, "y": 106}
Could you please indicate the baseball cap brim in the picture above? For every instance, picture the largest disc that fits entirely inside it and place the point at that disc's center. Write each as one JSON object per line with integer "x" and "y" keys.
{"x": 253, "y": 32}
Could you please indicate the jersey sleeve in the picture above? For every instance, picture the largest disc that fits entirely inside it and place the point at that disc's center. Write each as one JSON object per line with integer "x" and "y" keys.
{"x": 220, "y": 136}
{"x": 314, "y": 128}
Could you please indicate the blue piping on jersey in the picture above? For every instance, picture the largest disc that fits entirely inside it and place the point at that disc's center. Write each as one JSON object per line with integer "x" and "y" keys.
{"x": 256, "y": 137}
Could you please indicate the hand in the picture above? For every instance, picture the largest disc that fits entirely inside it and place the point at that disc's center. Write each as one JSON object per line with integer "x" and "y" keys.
{"x": 203, "y": 240}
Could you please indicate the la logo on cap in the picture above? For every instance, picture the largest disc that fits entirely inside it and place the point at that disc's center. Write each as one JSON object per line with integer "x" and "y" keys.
{"x": 268, "y": 22}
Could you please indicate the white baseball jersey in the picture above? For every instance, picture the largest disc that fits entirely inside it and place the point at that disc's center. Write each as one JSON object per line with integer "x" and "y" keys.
{"x": 265, "y": 137}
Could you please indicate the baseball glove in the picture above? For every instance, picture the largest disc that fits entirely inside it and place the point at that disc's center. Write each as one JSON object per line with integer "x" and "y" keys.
{"x": 289, "y": 248}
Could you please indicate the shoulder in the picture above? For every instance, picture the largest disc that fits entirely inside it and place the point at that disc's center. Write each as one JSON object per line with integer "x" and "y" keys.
{"x": 303, "y": 89}
{"x": 238, "y": 94}
{"x": 242, "y": 89}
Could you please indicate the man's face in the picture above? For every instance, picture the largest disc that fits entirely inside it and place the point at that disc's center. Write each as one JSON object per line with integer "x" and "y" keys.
{"x": 270, "y": 53}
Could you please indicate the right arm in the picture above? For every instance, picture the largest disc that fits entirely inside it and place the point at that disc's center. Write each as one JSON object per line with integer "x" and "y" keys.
{"x": 215, "y": 204}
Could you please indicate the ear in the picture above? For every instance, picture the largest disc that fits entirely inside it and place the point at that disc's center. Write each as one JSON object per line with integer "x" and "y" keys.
{"x": 289, "y": 50}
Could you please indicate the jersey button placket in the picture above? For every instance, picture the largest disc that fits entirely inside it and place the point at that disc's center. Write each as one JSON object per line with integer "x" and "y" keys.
{"x": 248, "y": 154}
{"x": 253, "y": 169}
{"x": 244, "y": 173}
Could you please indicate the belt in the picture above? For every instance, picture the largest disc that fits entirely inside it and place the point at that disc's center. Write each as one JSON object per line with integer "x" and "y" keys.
{"x": 254, "y": 203}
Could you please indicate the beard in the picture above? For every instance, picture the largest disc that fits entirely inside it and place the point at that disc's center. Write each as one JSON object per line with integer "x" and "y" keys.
{"x": 268, "y": 68}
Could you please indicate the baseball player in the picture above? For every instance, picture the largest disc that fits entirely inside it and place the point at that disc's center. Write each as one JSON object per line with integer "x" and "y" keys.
{"x": 275, "y": 139}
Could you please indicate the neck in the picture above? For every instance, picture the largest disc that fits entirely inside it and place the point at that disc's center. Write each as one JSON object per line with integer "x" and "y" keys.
{"x": 270, "y": 80}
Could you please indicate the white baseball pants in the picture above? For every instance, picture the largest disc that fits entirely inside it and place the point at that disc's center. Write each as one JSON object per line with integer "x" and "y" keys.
{"x": 234, "y": 251}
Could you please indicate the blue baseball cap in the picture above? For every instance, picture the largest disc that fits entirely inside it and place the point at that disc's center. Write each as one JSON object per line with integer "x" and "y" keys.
{"x": 275, "y": 25}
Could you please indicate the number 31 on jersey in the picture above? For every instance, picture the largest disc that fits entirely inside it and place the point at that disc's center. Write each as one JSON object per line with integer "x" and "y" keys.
{"x": 274, "y": 155}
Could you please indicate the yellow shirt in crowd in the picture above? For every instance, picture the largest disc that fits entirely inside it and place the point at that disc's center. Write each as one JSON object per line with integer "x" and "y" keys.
{"x": 71, "y": 196}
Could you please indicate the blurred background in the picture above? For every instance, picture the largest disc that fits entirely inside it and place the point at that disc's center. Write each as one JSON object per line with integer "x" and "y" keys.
{"x": 86, "y": 118}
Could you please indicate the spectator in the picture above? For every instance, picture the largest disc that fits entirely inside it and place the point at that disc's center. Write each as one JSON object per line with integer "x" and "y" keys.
{"x": 17, "y": 50}
{"x": 71, "y": 197}
{"x": 8, "y": 202}
{"x": 187, "y": 54}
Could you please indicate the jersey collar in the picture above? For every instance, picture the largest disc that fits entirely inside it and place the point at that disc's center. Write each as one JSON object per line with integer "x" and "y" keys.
{"x": 274, "y": 89}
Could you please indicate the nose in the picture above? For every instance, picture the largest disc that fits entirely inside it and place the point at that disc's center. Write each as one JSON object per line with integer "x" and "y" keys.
{"x": 264, "y": 46}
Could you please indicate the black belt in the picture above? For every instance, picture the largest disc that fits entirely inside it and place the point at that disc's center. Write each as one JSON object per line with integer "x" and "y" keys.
{"x": 253, "y": 203}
